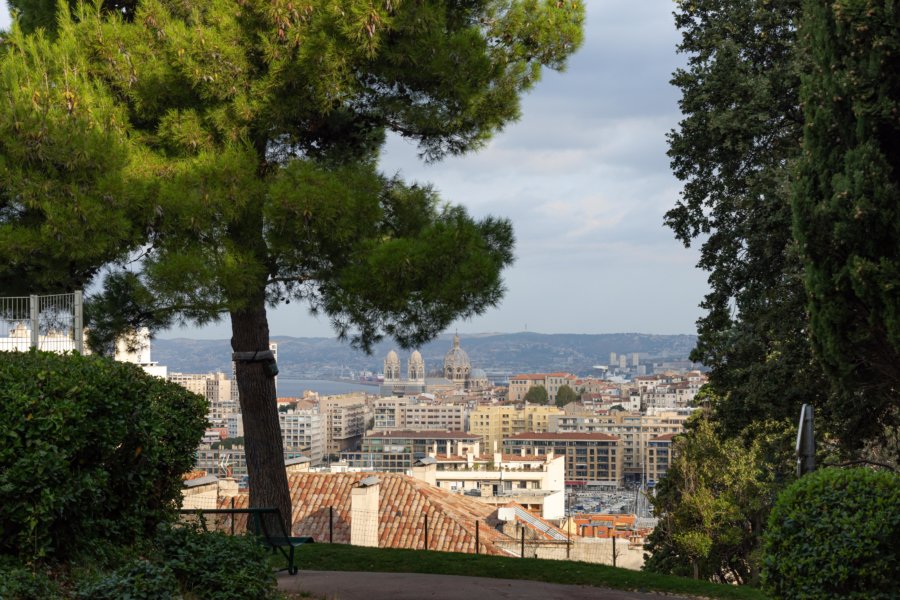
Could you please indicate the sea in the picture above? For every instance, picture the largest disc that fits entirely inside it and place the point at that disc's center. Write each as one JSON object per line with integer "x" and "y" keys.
{"x": 294, "y": 388}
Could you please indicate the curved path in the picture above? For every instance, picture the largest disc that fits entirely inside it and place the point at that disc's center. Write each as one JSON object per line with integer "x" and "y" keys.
{"x": 353, "y": 585}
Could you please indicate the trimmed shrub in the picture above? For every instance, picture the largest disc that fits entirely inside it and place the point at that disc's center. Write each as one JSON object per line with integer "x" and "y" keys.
{"x": 834, "y": 534}
{"x": 90, "y": 450}
{"x": 139, "y": 580}
{"x": 216, "y": 565}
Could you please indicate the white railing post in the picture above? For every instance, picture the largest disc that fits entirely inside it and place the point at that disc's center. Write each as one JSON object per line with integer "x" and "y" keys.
{"x": 79, "y": 321}
{"x": 33, "y": 302}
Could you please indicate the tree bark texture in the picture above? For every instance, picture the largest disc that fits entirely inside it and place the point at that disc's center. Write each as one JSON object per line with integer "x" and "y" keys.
{"x": 262, "y": 431}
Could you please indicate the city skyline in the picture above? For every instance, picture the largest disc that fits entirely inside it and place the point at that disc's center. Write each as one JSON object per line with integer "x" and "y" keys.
{"x": 585, "y": 180}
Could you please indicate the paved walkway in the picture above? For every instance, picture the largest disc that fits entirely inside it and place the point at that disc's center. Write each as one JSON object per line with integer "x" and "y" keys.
{"x": 344, "y": 585}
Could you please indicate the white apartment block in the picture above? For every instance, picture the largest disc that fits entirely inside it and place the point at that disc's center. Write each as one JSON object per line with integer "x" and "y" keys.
{"x": 407, "y": 414}
{"x": 535, "y": 482}
{"x": 304, "y": 431}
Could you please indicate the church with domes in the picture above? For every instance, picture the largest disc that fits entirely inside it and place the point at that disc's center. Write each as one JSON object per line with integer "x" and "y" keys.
{"x": 457, "y": 374}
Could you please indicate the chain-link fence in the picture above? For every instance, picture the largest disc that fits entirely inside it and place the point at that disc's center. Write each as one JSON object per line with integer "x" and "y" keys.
{"x": 54, "y": 323}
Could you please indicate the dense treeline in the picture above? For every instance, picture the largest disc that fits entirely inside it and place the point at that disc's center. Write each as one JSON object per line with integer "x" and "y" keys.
{"x": 788, "y": 156}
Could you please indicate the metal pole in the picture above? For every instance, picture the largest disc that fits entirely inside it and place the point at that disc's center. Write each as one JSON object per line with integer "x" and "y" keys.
{"x": 426, "y": 531}
{"x": 79, "y": 322}
{"x": 232, "y": 516}
{"x": 477, "y": 530}
{"x": 35, "y": 320}
{"x": 330, "y": 524}
{"x": 523, "y": 542}
{"x": 614, "y": 548}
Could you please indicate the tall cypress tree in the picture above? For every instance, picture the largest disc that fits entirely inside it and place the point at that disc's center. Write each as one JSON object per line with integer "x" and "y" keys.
{"x": 847, "y": 204}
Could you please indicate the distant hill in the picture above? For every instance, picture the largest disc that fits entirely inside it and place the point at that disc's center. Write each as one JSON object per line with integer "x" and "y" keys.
{"x": 495, "y": 352}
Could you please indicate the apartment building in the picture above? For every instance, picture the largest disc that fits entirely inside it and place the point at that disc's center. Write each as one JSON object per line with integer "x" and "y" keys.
{"x": 535, "y": 482}
{"x": 658, "y": 457}
{"x": 496, "y": 423}
{"x": 634, "y": 429}
{"x": 345, "y": 421}
{"x": 397, "y": 451}
{"x": 304, "y": 431}
{"x": 410, "y": 414}
{"x": 520, "y": 384}
{"x": 592, "y": 458}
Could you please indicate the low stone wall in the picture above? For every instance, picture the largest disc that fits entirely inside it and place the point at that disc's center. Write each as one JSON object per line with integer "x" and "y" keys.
{"x": 592, "y": 550}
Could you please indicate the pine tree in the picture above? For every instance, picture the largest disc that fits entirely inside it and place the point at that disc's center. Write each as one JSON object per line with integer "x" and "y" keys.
{"x": 256, "y": 126}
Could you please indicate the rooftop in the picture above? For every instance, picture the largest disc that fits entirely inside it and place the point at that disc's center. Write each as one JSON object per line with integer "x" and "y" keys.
{"x": 532, "y": 435}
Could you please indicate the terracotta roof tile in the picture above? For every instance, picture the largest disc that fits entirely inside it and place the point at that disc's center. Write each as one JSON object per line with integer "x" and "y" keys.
{"x": 403, "y": 502}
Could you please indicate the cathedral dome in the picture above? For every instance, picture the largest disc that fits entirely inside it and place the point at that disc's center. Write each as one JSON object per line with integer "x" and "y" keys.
{"x": 456, "y": 363}
{"x": 392, "y": 367}
{"x": 416, "y": 368}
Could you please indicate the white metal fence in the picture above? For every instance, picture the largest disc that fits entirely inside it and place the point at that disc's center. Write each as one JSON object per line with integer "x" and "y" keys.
{"x": 54, "y": 323}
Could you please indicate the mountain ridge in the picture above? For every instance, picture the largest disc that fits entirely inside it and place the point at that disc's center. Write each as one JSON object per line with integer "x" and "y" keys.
{"x": 309, "y": 357}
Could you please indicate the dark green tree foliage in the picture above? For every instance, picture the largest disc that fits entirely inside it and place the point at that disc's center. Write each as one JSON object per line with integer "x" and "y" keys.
{"x": 537, "y": 394}
{"x": 565, "y": 395}
{"x": 90, "y": 450}
{"x": 847, "y": 204}
{"x": 256, "y": 126}
{"x": 742, "y": 129}
{"x": 833, "y": 534}
{"x": 66, "y": 201}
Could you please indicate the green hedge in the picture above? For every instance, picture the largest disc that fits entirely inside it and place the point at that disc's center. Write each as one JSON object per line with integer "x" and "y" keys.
{"x": 835, "y": 533}
{"x": 91, "y": 450}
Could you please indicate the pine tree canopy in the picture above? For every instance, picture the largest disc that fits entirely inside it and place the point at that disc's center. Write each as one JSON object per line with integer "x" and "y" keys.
{"x": 250, "y": 136}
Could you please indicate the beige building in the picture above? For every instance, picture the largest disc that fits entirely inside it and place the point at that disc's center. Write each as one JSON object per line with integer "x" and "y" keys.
{"x": 634, "y": 429}
{"x": 496, "y": 423}
{"x": 592, "y": 458}
{"x": 412, "y": 414}
{"x": 192, "y": 382}
{"x": 658, "y": 457}
{"x": 345, "y": 421}
{"x": 520, "y": 384}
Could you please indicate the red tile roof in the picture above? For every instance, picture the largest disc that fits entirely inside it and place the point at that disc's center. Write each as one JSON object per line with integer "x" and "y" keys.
{"x": 532, "y": 435}
{"x": 403, "y": 502}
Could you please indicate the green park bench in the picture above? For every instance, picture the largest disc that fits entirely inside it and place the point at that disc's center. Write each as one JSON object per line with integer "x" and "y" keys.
{"x": 278, "y": 540}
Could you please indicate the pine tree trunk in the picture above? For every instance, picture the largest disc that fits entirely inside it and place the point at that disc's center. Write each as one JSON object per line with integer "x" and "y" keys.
{"x": 262, "y": 431}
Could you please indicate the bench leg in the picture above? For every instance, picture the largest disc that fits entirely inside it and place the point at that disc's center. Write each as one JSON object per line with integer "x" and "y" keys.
{"x": 292, "y": 568}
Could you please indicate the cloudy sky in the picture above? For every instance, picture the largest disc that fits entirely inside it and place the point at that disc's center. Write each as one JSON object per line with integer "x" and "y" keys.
{"x": 585, "y": 180}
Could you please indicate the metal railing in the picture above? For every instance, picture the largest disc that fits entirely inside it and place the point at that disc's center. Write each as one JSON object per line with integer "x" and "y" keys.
{"x": 54, "y": 323}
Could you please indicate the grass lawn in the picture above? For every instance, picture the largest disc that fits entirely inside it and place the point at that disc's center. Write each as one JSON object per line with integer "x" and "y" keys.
{"x": 339, "y": 557}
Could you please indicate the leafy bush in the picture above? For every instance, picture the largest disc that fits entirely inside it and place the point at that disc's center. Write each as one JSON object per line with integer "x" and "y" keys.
{"x": 90, "y": 450}
{"x": 19, "y": 583}
{"x": 138, "y": 580}
{"x": 834, "y": 533}
{"x": 216, "y": 565}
